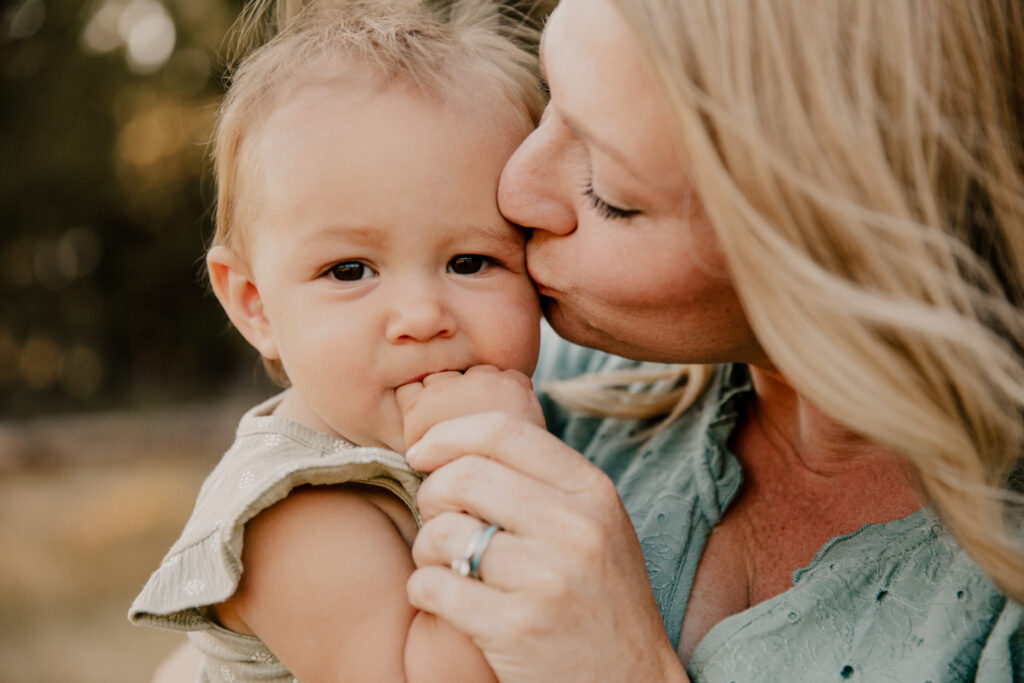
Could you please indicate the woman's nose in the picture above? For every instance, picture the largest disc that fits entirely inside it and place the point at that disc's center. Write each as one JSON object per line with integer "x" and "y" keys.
{"x": 420, "y": 315}
{"x": 533, "y": 191}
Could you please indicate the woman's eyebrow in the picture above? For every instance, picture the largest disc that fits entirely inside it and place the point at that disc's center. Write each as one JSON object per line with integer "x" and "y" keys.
{"x": 581, "y": 131}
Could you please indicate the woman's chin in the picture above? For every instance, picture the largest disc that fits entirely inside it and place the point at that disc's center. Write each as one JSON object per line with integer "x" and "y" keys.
{"x": 555, "y": 316}
{"x": 571, "y": 327}
{"x": 629, "y": 338}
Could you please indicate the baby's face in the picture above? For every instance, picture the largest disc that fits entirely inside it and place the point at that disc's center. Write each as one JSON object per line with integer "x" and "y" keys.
{"x": 379, "y": 252}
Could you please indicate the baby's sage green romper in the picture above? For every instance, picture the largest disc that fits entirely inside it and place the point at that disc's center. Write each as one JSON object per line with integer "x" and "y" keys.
{"x": 270, "y": 457}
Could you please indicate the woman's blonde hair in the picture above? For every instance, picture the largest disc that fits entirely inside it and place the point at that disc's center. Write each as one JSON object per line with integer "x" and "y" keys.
{"x": 453, "y": 50}
{"x": 862, "y": 162}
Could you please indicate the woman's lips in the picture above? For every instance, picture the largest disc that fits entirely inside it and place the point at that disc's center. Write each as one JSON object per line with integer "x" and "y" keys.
{"x": 542, "y": 288}
{"x": 545, "y": 291}
{"x": 538, "y": 282}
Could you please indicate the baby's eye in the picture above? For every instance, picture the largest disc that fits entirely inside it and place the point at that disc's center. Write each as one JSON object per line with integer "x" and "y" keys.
{"x": 469, "y": 264}
{"x": 350, "y": 271}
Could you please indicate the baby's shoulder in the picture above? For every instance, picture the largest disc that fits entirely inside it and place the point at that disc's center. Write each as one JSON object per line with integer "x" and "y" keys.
{"x": 322, "y": 554}
{"x": 352, "y": 508}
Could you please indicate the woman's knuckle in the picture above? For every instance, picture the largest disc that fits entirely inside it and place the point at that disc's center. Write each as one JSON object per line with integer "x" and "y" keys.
{"x": 504, "y": 426}
{"x": 447, "y": 482}
{"x": 588, "y": 539}
{"x": 555, "y": 586}
{"x": 464, "y": 474}
{"x": 432, "y": 539}
{"x": 524, "y": 623}
{"x": 599, "y": 485}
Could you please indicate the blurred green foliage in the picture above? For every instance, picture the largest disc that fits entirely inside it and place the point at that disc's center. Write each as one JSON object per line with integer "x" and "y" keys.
{"x": 105, "y": 204}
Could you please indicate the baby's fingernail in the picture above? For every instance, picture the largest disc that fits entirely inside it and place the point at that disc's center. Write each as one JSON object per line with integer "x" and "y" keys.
{"x": 413, "y": 453}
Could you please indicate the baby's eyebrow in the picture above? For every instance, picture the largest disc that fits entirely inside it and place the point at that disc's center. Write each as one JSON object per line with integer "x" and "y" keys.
{"x": 354, "y": 233}
{"x": 500, "y": 235}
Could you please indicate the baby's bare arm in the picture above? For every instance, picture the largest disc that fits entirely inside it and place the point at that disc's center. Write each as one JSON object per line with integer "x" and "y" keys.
{"x": 324, "y": 588}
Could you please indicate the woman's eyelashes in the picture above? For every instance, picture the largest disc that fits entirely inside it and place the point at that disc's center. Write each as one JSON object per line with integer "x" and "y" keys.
{"x": 603, "y": 208}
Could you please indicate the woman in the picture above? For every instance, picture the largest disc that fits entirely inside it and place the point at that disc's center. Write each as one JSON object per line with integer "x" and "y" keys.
{"x": 828, "y": 198}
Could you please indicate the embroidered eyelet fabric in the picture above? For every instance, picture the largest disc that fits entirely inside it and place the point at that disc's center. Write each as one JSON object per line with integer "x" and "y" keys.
{"x": 270, "y": 457}
{"x": 898, "y": 601}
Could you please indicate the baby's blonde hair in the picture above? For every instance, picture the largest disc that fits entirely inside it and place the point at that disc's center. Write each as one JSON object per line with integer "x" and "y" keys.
{"x": 863, "y": 166}
{"x": 470, "y": 50}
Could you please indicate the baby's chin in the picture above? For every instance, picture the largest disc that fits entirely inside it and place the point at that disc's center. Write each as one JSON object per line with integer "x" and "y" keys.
{"x": 396, "y": 444}
{"x": 391, "y": 438}
{"x": 374, "y": 424}
{"x": 391, "y": 435}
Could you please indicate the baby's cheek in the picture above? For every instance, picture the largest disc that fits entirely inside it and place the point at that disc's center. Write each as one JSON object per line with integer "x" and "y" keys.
{"x": 523, "y": 346}
{"x": 511, "y": 322}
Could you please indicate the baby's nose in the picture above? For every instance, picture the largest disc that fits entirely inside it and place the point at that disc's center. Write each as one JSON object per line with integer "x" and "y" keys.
{"x": 419, "y": 318}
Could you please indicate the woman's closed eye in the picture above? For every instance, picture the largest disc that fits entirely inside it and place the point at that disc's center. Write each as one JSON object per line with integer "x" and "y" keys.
{"x": 603, "y": 208}
{"x": 350, "y": 271}
{"x": 470, "y": 264}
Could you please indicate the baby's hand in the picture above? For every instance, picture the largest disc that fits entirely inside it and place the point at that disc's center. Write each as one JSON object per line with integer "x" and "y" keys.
{"x": 480, "y": 389}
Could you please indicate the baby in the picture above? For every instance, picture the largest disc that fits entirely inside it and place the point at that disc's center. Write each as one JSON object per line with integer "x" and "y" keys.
{"x": 360, "y": 250}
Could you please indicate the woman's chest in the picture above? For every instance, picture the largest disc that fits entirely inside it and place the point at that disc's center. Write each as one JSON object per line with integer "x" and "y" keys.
{"x": 892, "y": 601}
{"x": 744, "y": 563}
{"x": 753, "y": 552}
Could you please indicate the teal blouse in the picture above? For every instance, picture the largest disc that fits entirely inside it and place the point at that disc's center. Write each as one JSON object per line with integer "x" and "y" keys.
{"x": 898, "y": 601}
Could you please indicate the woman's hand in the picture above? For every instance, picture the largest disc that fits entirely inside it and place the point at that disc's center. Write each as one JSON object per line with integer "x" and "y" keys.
{"x": 563, "y": 593}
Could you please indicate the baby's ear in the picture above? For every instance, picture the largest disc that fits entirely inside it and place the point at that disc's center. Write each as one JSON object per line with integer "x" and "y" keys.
{"x": 235, "y": 289}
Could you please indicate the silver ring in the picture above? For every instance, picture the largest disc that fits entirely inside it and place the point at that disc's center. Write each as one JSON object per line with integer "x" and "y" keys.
{"x": 469, "y": 563}
{"x": 481, "y": 547}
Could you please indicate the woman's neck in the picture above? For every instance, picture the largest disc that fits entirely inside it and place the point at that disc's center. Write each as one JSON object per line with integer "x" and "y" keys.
{"x": 801, "y": 433}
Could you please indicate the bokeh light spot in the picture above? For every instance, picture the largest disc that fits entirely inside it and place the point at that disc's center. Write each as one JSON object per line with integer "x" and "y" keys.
{"x": 25, "y": 19}
{"x": 101, "y": 33}
{"x": 149, "y": 35}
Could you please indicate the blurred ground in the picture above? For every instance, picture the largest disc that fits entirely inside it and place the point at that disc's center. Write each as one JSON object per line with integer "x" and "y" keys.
{"x": 88, "y": 506}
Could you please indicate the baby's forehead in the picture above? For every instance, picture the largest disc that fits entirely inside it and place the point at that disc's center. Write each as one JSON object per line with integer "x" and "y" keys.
{"x": 351, "y": 96}
{"x": 468, "y": 88}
